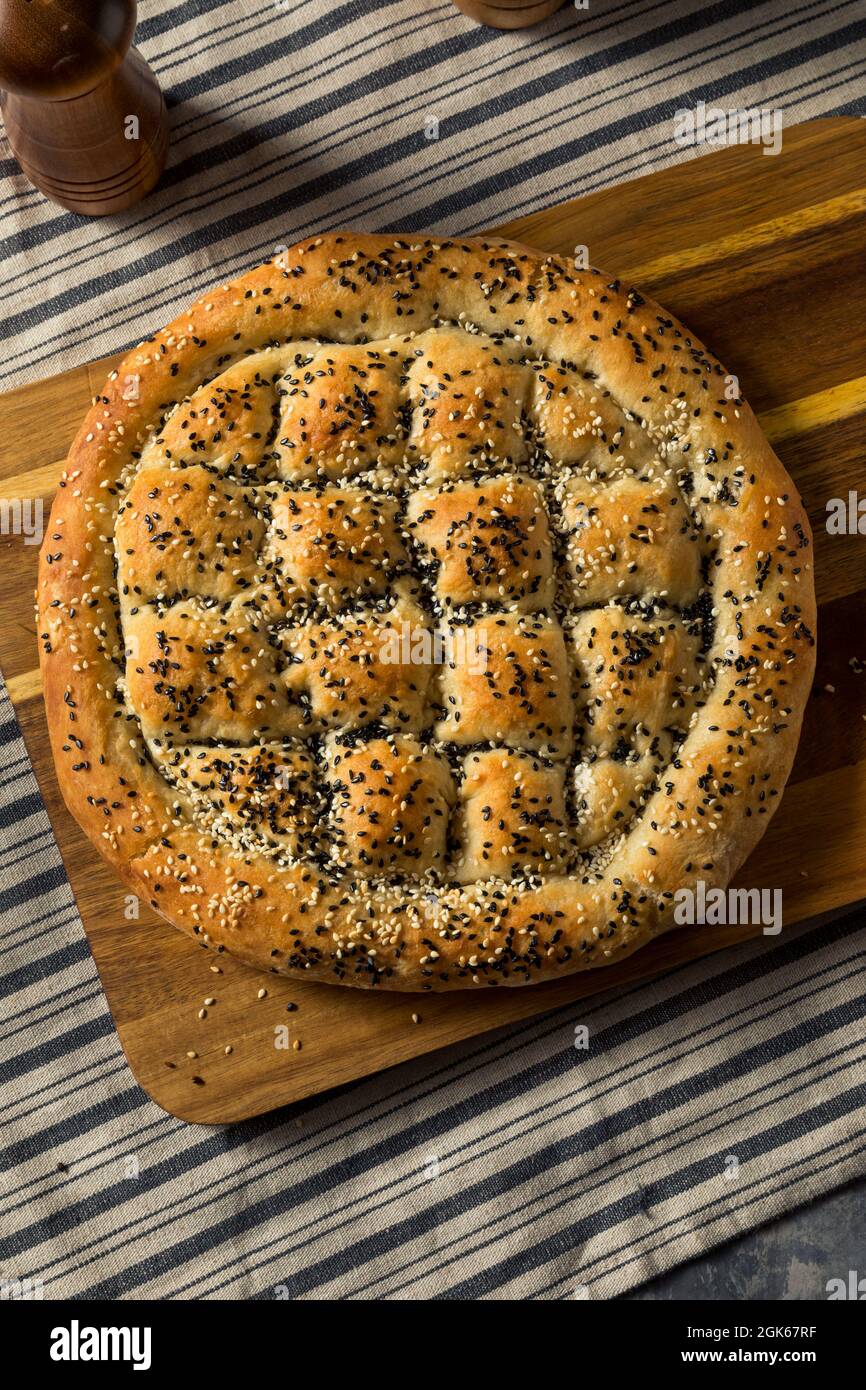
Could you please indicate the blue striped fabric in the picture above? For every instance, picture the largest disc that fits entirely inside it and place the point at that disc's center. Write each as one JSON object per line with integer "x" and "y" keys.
{"x": 514, "y": 1166}
{"x": 292, "y": 118}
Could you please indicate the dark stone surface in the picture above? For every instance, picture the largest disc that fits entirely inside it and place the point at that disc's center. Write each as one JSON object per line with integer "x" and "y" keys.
{"x": 791, "y": 1259}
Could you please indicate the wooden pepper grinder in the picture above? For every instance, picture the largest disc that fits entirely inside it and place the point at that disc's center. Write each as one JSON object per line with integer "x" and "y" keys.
{"x": 84, "y": 113}
{"x": 508, "y": 14}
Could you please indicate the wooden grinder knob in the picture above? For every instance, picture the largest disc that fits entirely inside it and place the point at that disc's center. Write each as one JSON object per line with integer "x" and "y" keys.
{"x": 508, "y": 14}
{"x": 84, "y": 113}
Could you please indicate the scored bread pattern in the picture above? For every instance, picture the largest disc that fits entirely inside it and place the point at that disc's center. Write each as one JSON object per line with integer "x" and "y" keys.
{"x": 427, "y": 607}
{"x": 423, "y": 615}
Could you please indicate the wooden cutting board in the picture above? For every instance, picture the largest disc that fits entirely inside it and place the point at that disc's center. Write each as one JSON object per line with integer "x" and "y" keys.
{"x": 764, "y": 258}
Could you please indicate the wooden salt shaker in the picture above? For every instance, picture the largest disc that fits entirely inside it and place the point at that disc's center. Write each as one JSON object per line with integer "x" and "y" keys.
{"x": 84, "y": 113}
{"x": 508, "y": 14}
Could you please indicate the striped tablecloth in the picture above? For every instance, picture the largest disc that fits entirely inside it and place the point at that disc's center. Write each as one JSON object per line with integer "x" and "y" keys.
{"x": 289, "y": 118}
{"x": 515, "y": 1165}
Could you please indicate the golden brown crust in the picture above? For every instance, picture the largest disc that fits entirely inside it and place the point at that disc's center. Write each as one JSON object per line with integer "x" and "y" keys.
{"x": 490, "y": 542}
{"x": 227, "y": 729}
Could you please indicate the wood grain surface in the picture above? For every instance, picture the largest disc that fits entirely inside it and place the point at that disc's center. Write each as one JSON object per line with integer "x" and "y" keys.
{"x": 763, "y": 257}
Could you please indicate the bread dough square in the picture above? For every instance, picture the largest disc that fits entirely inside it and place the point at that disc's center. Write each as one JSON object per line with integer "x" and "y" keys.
{"x": 512, "y": 817}
{"x": 332, "y": 547}
{"x": 467, "y": 395}
{"x": 635, "y": 678}
{"x": 489, "y": 542}
{"x": 195, "y": 672}
{"x": 339, "y": 413}
{"x": 186, "y": 532}
{"x": 375, "y": 668}
{"x": 628, "y": 537}
{"x": 391, "y": 801}
{"x": 508, "y": 682}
